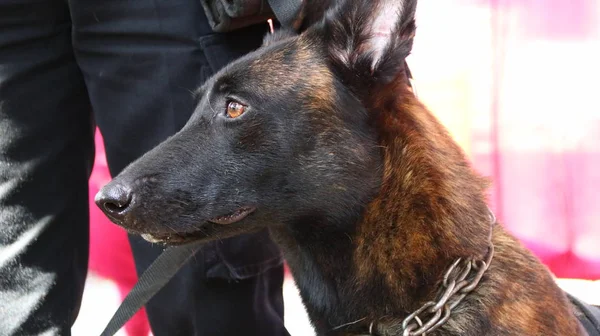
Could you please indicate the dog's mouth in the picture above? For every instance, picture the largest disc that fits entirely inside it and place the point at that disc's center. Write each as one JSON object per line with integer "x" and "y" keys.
{"x": 179, "y": 238}
{"x": 233, "y": 217}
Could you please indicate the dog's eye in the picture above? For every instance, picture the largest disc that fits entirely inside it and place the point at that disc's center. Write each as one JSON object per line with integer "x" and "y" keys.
{"x": 235, "y": 109}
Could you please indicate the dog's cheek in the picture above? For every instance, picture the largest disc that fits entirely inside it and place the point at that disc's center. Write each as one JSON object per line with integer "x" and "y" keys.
{"x": 251, "y": 137}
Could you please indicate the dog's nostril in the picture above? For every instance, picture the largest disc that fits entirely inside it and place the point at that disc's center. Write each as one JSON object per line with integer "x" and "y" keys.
{"x": 114, "y": 207}
{"x": 114, "y": 199}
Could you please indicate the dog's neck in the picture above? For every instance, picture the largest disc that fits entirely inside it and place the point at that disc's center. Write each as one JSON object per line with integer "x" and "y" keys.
{"x": 431, "y": 208}
{"x": 429, "y": 211}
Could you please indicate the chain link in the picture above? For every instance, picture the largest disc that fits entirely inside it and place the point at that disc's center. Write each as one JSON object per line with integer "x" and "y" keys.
{"x": 459, "y": 280}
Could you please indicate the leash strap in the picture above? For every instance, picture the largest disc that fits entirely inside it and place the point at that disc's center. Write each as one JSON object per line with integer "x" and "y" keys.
{"x": 591, "y": 319}
{"x": 286, "y": 11}
{"x": 151, "y": 281}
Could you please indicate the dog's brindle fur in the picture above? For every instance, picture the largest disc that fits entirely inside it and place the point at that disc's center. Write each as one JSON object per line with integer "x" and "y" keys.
{"x": 365, "y": 192}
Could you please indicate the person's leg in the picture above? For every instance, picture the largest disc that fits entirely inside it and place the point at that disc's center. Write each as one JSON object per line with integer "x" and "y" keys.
{"x": 142, "y": 60}
{"x": 243, "y": 303}
{"x": 46, "y": 156}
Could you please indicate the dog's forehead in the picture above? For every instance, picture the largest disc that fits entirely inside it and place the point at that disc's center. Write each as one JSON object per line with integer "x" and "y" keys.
{"x": 291, "y": 64}
{"x": 287, "y": 54}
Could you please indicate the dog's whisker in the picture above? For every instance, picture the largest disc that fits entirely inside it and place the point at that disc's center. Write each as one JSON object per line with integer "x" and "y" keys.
{"x": 348, "y": 324}
{"x": 181, "y": 202}
{"x": 347, "y": 235}
{"x": 188, "y": 90}
{"x": 171, "y": 228}
{"x": 210, "y": 105}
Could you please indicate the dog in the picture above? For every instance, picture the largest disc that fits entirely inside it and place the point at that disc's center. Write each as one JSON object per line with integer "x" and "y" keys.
{"x": 318, "y": 138}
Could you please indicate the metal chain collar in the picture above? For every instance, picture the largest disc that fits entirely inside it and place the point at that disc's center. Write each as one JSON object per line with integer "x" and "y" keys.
{"x": 458, "y": 282}
{"x": 460, "y": 279}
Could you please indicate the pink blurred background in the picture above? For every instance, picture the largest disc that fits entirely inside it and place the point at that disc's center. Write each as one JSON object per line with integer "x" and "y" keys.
{"x": 516, "y": 83}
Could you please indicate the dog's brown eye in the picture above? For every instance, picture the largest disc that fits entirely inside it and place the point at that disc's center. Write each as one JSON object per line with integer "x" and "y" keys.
{"x": 235, "y": 109}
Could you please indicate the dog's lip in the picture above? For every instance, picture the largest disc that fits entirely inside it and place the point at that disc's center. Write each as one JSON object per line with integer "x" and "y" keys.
{"x": 171, "y": 239}
{"x": 180, "y": 238}
{"x": 151, "y": 238}
{"x": 233, "y": 217}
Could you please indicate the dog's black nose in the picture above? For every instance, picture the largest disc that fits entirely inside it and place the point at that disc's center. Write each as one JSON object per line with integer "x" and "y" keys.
{"x": 114, "y": 200}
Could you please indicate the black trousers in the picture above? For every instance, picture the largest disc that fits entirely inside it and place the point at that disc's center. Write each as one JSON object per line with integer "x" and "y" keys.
{"x": 128, "y": 66}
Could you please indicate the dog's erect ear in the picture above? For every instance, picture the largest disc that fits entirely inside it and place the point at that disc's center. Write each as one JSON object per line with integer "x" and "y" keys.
{"x": 368, "y": 40}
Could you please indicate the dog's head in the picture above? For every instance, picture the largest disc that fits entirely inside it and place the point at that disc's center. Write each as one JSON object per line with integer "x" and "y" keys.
{"x": 282, "y": 136}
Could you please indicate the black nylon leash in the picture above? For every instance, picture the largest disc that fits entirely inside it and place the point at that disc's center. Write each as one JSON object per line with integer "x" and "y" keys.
{"x": 286, "y": 11}
{"x": 150, "y": 282}
{"x": 591, "y": 315}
